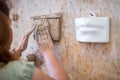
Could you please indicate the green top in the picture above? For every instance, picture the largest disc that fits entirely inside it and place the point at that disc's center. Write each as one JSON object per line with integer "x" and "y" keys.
{"x": 17, "y": 70}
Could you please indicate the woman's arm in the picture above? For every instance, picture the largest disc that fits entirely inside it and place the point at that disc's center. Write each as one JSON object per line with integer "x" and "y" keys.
{"x": 55, "y": 70}
{"x": 23, "y": 44}
{"x": 39, "y": 75}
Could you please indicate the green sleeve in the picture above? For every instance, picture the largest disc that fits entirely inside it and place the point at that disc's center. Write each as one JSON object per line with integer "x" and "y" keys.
{"x": 17, "y": 70}
{"x": 24, "y": 71}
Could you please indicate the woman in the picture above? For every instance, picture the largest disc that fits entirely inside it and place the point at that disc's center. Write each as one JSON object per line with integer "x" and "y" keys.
{"x": 12, "y": 68}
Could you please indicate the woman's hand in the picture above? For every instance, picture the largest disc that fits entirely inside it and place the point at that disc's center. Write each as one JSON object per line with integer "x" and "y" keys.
{"x": 45, "y": 43}
{"x": 55, "y": 70}
{"x": 31, "y": 30}
{"x": 23, "y": 44}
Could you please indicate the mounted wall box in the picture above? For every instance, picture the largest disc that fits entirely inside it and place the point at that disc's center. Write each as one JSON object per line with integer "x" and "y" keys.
{"x": 54, "y": 27}
{"x": 92, "y": 29}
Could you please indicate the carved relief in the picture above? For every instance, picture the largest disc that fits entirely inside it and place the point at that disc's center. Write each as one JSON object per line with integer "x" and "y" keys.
{"x": 51, "y": 23}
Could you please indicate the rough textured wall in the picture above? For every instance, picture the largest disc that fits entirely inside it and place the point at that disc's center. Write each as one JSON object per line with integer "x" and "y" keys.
{"x": 82, "y": 61}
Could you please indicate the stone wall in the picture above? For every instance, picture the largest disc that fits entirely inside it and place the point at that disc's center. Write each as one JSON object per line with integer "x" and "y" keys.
{"x": 82, "y": 61}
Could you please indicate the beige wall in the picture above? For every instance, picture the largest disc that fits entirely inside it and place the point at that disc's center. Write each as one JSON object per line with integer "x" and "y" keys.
{"x": 82, "y": 61}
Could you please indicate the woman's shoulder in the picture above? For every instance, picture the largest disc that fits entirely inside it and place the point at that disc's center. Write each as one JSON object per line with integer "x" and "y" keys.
{"x": 20, "y": 63}
{"x": 23, "y": 69}
{"x": 19, "y": 70}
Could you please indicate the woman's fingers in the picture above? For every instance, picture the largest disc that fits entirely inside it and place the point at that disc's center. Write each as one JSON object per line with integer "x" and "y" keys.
{"x": 44, "y": 36}
{"x": 32, "y": 28}
{"x": 47, "y": 34}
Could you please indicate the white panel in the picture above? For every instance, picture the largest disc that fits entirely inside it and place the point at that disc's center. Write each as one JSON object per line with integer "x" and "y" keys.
{"x": 92, "y": 29}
